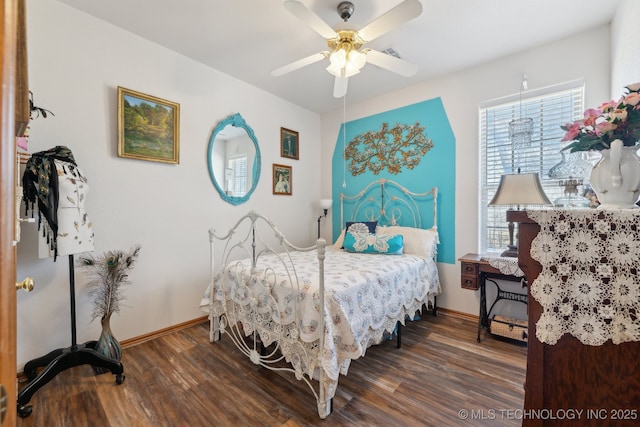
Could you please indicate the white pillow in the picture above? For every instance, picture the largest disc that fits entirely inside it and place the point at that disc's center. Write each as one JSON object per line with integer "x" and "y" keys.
{"x": 417, "y": 241}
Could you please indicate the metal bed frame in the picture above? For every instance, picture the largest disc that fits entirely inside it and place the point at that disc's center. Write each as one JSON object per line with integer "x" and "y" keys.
{"x": 254, "y": 236}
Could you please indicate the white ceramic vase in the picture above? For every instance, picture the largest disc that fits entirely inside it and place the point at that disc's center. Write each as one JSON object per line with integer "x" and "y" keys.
{"x": 616, "y": 177}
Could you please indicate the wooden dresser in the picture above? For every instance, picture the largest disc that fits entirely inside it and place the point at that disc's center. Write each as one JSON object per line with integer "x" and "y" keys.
{"x": 602, "y": 381}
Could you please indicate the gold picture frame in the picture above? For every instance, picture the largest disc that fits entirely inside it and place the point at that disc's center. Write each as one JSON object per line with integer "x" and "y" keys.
{"x": 282, "y": 180}
{"x": 289, "y": 143}
{"x": 148, "y": 127}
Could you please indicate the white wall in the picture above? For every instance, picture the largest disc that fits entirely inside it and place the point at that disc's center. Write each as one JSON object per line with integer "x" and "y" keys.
{"x": 76, "y": 63}
{"x": 625, "y": 47}
{"x": 461, "y": 92}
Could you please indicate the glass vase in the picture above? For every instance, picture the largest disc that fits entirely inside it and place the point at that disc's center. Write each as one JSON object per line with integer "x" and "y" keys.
{"x": 107, "y": 344}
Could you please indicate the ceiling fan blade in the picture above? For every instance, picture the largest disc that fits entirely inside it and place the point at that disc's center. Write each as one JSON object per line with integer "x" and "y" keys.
{"x": 304, "y": 14}
{"x": 340, "y": 87}
{"x": 299, "y": 64}
{"x": 404, "y": 12}
{"x": 391, "y": 63}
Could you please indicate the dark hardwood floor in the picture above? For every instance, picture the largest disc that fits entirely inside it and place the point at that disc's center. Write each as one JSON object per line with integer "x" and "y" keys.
{"x": 181, "y": 379}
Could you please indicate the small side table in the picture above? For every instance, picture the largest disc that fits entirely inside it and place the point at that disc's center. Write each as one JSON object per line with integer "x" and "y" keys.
{"x": 476, "y": 269}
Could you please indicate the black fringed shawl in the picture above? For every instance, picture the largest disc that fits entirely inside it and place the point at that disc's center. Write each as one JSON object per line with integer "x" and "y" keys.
{"x": 40, "y": 183}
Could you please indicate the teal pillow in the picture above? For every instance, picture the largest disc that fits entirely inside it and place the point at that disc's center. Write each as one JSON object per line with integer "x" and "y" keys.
{"x": 369, "y": 243}
{"x": 361, "y": 227}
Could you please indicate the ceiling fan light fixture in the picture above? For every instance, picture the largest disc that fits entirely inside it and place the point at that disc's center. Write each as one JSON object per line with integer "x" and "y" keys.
{"x": 357, "y": 58}
{"x": 350, "y": 70}
{"x": 346, "y": 62}
{"x": 345, "y": 54}
{"x": 338, "y": 58}
{"x": 337, "y": 62}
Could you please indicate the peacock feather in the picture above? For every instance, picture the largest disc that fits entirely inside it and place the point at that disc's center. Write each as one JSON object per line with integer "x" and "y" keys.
{"x": 107, "y": 275}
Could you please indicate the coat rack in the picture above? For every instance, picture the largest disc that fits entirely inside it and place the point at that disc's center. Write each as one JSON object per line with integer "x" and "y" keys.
{"x": 61, "y": 359}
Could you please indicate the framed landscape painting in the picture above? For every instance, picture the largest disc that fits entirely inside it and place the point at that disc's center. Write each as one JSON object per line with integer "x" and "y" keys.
{"x": 148, "y": 127}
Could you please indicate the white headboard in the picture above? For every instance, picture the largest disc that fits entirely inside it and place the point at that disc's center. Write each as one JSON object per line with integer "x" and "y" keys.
{"x": 389, "y": 203}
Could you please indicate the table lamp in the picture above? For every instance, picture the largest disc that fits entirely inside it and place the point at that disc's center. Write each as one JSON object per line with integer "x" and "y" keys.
{"x": 521, "y": 189}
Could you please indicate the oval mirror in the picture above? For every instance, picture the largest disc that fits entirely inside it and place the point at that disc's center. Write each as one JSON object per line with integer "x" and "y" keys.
{"x": 234, "y": 159}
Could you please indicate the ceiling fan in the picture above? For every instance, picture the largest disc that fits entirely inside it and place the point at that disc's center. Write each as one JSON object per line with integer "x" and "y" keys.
{"x": 346, "y": 54}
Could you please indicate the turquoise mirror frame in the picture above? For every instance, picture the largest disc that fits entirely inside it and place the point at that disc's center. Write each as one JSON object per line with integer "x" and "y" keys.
{"x": 235, "y": 120}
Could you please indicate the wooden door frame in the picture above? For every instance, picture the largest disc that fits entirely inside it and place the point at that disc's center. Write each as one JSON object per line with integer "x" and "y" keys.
{"x": 8, "y": 49}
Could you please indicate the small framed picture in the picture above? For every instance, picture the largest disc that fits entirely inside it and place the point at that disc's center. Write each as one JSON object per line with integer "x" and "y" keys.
{"x": 148, "y": 127}
{"x": 282, "y": 180}
{"x": 289, "y": 143}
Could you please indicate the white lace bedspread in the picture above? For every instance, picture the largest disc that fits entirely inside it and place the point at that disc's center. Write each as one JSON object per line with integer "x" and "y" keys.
{"x": 589, "y": 286}
{"x": 365, "y": 295}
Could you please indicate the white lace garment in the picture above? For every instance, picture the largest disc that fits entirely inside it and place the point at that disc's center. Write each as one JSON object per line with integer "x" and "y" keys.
{"x": 589, "y": 285}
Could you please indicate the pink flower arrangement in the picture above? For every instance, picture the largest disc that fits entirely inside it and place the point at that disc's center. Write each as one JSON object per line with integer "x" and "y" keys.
{"x": 610, "y": 121}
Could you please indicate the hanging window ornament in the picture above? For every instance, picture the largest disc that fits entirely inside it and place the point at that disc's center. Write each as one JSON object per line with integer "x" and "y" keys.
{"x": 521, "y": 128}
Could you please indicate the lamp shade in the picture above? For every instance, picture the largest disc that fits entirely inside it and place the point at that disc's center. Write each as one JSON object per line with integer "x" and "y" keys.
{"x": 326, "y": 203}
{"x": 346, "y": 62}
{"x": 520, "y": 189}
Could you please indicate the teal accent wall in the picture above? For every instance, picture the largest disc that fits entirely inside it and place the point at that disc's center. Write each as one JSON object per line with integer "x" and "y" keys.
{"x": 436, "y": 169}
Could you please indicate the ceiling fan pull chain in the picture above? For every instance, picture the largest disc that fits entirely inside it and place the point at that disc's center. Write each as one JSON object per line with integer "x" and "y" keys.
{"x": 344, "y": 141}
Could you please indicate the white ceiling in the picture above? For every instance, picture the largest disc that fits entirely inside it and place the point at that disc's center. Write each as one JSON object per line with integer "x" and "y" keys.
{"x": 247, "y": 39}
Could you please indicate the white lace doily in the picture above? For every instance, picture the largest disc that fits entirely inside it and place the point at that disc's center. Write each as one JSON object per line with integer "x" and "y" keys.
{"x": 589, "y": 285}
{"x": 506, "y": 265}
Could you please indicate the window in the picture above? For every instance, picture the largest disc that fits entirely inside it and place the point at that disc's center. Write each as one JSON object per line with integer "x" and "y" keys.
{"x": 549, "y": 108}
{"x": 239, "y": 181}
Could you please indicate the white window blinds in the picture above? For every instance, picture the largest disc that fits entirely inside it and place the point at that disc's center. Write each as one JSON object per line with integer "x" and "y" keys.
{"x": 239, "y": 167}
{"x": 549, "y": 109}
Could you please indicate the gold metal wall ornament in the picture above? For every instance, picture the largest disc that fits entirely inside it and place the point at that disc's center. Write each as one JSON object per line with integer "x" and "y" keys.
{"x": 393, "y": 149}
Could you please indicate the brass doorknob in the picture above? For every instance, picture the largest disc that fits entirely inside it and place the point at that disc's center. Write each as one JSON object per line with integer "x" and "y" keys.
{"x": 26, "y": 284}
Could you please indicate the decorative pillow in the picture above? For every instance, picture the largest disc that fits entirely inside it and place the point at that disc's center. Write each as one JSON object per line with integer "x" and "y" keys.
{"x": 416, "y": 240}
{"x": 359, "y": 227}
{"x": 373, "y": 243}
